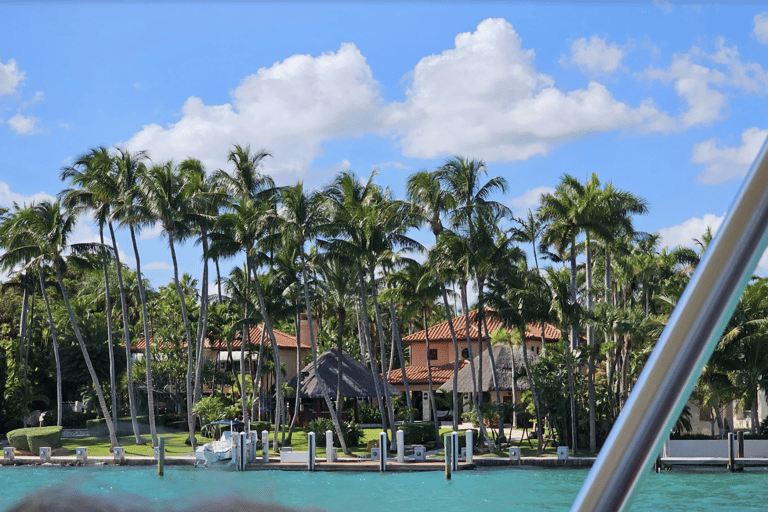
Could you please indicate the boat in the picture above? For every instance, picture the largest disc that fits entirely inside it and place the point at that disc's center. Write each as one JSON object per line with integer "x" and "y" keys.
{"x": 218, "y": 451}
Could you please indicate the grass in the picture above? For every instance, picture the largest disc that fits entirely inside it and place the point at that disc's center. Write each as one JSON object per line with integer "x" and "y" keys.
{"x": 175, "y": 445}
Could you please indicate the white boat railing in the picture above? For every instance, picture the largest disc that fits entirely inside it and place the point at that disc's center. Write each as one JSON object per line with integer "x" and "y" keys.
{"x": 684, "y": 348}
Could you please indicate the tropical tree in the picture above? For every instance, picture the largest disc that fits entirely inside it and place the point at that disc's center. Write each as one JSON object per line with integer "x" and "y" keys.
{"x": 41, "y": 233}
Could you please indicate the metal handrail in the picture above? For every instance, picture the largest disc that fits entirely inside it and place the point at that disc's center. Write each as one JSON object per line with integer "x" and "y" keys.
{"x": 684, "y": 348}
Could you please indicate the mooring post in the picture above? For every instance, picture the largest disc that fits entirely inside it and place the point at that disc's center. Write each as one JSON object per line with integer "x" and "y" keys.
{"x": 448, "y": 453}
{"x": 400, "y": 446}
{"x": 241, "y": 452}
{"x": 161, "y": 456}
{"x": 470, "y": 443}
{"x": 311, "y": 443}
{"x": 382, "y": 451}
{"x": 731, "y": 461}
{"x": 740, "y": 437}
{"x": 454, "y": 451}
{"x": 265, "y": 446}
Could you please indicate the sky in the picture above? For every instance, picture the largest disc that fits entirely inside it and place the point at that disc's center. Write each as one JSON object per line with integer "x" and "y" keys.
{"x": 665, "y": 100}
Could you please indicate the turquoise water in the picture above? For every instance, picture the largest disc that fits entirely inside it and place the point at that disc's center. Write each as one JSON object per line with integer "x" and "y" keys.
{"x": 477, "y": 491}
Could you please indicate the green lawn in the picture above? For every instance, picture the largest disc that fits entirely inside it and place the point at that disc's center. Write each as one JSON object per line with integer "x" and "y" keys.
{"x": 175, "y": 446}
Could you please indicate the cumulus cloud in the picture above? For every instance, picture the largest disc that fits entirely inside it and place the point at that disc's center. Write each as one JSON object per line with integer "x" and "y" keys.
{"x": 683, "y": 234}
{"x": 529, "y": 200}
{"x": 485, "y": 97}
{"x": 10, "y": 77}
{"x": 724, "y": 163}
{"x": 761, "y": 27}
{"x": 698, "y": 78}
{"x": 9, "y": 197}
{"x": 594, "y": 56}
{"x": 151, "y": 233}
{"x": 290, "y": 109}
{"x": 24, "y": 125}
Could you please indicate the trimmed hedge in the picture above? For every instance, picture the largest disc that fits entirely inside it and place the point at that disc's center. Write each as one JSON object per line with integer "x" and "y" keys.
{"x": 419, "y": 433}
{"x": 31, "y": 439}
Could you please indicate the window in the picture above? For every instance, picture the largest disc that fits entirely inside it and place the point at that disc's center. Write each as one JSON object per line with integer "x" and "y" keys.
{"x": 433, "y": 354}
{"x": 465, "y": 353}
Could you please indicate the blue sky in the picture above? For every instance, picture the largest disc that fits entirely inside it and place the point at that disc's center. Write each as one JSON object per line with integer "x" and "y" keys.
{"x": 666, "y": 100}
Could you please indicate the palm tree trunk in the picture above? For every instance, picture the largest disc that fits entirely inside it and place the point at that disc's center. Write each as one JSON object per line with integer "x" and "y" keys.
{"x": 435, "y": 419}
{"x": 202, "y": 323}
{"x": 99, "y": 393}
{"x": 369, "y": 345}
{"x": 341, "y": 316}
{"x": 534, "y": 393}
{"x": 110, "y": 340}
{"x": 297, "y": 403}
{"x": 188, "y": 330}
{"x": 399, "y": 344}
{"x": 449, "y": 319}
{"x": 591, "y": 361}
{"x": 147, "y": 351}
{"x": 382, "y": 349}
{"x": 480, "y": 419}
{"x": 126, "y": 339}
{"x": 324, "y": 388}
{"x": 59, "y": 400}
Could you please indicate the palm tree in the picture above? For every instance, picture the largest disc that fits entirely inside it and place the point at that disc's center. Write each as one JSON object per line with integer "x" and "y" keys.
{"x": 95, "y": 176}
{"x": 130, "y": 211}
{"x": 41, "y": 238}
{"x": 302, "y": 216}
{"x": 169, "y": 198}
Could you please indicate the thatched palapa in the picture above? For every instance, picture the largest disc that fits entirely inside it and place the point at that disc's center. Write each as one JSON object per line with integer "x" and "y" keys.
{"x": 502, "y": 354}
{"x": 357, "y": 378}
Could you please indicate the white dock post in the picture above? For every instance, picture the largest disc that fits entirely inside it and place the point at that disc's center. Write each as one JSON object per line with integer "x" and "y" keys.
{"x": 454, "y": 451}
{"x": 251, "y": 446}
{"x": 382, "y": 451}
{"x": 81, "y": 452}
{"x": 330, "y": 453}
{"x": 470, "y": 450}
{"x": 400, "y": 446}
{"x": 160, "y": 454}
{"x": 9, "y": 452}
{"x": 241, "y": 452}
{"x": 45, "y": 453}
{"x": 311, "y": 442}
{"x": 119, "y": 453}
{"x": 265, "y": 446}
{"x": 731, "y": 455}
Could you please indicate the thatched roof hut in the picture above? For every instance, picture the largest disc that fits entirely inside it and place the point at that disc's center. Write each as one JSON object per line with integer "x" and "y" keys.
{"x": 502, "y": 354}
{"x": 357, "y": 379}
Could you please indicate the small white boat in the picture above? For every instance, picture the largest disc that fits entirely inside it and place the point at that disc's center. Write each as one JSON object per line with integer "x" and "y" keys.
{"x": 219, "y": 451}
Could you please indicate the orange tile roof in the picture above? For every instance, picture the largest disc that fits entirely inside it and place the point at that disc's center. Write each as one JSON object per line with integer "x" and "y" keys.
{"x": 442, "y": 332}
{"x": 284, "y": 340}
{"x": 418, "y": 374}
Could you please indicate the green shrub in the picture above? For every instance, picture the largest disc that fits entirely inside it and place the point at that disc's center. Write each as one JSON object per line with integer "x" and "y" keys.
{"x": 369, "y": 414}
{"x": 419, "y": 433}
{"x": 18, "y": 439}
{"x": 31, "y": 439}
{"x": 259, "y": 426}
{"x": 351, "y": 432}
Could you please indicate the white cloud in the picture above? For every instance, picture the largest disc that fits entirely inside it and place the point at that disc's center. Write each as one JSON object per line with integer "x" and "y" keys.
{"x": 684, "y": 233}
{"x": 290, "y": 109}
{"x": 724, "y": 163}
{"x": 24, "y": 125}
{"x": 151, "y": 233}
{"x": 529, "y": 200}
{"x": 595, "y": 56}
{"x": 10, "y": 77}
{"x": 8, "y": 197}
{"x": 485, "y": 97}
{"x": 157, "y": 265}
{"x": 697, "y": 74}
{"x": 761, "y": 27}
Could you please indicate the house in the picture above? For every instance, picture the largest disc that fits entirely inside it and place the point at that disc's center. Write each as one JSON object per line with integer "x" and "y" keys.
{"x": 442, "y": 353}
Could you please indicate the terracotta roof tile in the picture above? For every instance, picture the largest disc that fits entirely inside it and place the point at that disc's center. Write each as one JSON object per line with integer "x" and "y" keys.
{"x": 284, "y": 340}
{"x": 418, "y": 374}
{"x": 442, "y": 332}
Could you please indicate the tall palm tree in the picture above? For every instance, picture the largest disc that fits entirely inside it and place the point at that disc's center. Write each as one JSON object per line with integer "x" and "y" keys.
{"x": 41, "y": 238}
{"x": 97, "y": 189}
{"x": 130, "y": 211}
{"x": 168, "y": 195}
{"x": 302, "y": 217}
